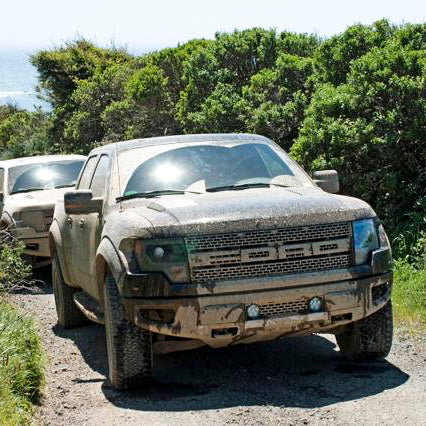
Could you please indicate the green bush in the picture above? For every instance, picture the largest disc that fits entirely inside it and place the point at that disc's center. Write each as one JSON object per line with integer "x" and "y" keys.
{"x": 21, "y": 356}
{"x": 409, "y": 293}
{"x": 21, "y": 365}
{"x": 13, "y": 269}
{"x": 371, "y": 129}
{"x": 355, "y": 102}
{"x": 23, "y": 133}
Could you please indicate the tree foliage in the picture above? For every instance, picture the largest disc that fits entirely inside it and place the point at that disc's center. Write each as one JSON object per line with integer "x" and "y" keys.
{"x": 354, "y": 102}
{"x": 23, "y": 133}
{"x": 371, "y": 127}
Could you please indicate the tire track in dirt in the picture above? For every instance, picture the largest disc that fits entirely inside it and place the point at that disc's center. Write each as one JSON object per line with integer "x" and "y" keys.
{"x": 300, "y": 380}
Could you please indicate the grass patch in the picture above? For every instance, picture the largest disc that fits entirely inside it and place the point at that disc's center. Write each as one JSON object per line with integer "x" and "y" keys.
{"x": 409, "y": 295}
{"x": 21, "y": 366}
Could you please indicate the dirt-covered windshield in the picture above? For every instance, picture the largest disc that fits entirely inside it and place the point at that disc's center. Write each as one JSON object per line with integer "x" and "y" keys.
{"x": 39, "y": 176}
{"x": 204, "y": 167}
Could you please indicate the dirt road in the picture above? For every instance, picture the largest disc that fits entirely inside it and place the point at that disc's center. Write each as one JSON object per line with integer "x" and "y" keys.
{"x": 294, "y": 381}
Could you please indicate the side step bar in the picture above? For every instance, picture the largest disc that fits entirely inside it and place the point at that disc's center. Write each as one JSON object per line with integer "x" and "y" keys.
{"x": 89, "y": 306}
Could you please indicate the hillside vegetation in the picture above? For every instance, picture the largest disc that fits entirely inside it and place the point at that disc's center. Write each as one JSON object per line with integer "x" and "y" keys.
{"x": 21, "y": 366}
{"x": 355, "y": 102}
{"x": 21, "y": 356}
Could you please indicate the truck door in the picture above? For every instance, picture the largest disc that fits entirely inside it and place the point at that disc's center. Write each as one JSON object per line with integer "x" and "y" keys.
{"x": 88, "y": 229}
{"x": 71, "y": 230}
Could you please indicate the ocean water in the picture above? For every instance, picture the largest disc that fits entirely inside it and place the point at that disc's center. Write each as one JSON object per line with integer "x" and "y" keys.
{"x": 18, "y": 80}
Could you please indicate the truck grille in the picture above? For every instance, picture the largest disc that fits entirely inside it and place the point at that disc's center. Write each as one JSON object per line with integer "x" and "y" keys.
{"x": 40, "y": 220}
{"x": 270, "y": 252}
{"x": 299, "y": 306}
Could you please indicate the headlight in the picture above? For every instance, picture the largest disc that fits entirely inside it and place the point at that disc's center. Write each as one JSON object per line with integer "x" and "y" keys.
{"x": 16, "y": 216}
{"x": 365, "y": 239}
{"x": 167, "y": 256}
{"x": 159, "y": 251}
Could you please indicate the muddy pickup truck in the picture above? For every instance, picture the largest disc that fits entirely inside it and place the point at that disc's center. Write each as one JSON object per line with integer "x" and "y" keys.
{"x": 29, "y": 189}
{"x": 182, "y": 241}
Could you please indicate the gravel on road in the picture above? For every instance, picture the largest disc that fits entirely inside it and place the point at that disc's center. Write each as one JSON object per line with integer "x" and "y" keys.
{"x": 295, "y": 381}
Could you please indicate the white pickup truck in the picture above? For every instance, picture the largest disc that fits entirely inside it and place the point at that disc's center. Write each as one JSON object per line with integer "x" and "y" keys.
{"x": 29, "y": 189}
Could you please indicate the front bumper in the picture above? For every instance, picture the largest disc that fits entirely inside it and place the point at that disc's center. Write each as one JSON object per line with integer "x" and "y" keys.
{"x": 36, "y": 243}
{"x": 221, "y": 320}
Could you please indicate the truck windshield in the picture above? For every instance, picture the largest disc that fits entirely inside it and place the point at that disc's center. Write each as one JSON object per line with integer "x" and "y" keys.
{"x": 207, "y": 167}
{"x": 39, "y": 176}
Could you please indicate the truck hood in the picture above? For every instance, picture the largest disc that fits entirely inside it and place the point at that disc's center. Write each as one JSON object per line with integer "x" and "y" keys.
{"x": 236, "y": 211}
{"x": 35, "y": 200}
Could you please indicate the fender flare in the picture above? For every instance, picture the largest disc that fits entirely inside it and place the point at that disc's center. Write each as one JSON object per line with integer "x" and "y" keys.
{"x": 7, "y": 219}
{"x": 55, "y": 245}
{"x": 107, "y": 261}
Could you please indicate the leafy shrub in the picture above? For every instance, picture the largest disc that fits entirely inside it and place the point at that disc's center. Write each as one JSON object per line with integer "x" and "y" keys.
{"x": 23, "y": 133}
{"x": 354, "y": 102}
{"x": 13, "y": 269}
{"x": 409, "y": 236}
{"x": 409, "y": 293}
{"x": 371, "y": 129}
{"x": 21, "y": 356}
{"x": 21, "y": 366}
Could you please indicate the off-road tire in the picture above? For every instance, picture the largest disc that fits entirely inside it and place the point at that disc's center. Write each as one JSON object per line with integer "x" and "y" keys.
{"x": 130, "y": 356}
{"x": 369, "y": 339}
{"x": 68, "y": 314}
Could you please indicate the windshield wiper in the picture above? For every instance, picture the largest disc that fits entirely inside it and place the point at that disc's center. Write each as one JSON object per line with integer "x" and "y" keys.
{"x": 240, "y": 186}
{"x": 151, "y": 194}
{"x": 236, "y": 187}
{"x": 26, "y": 190}
{"x": 68, "y": 185}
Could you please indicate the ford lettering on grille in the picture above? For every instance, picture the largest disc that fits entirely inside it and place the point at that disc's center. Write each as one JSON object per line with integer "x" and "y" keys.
{"x": 261, "y": 253}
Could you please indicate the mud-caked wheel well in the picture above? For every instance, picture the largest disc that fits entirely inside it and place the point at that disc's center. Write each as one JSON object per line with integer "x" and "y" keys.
{"x": 130, "y": 356}
{"x": 5, "y": 222}
{"x": 369, "y": 339}
{"x": 102, "y": 271}
{"x": 52, "y": 244}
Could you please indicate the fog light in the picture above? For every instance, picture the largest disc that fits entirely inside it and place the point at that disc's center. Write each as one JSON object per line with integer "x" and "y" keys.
{"x": 158, "y": 252}
{"x": 253, "y": 311}
{"x": 315, "y": 304}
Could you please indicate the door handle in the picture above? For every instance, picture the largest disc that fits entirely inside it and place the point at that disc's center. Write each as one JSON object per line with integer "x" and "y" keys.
{"x": 81, "y": 223}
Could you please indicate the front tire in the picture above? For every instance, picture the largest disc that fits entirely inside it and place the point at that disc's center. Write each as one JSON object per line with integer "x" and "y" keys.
{"x": 129, "y": 347}
{"x": 68, "y": 314}
{"x": 369, "y": 339}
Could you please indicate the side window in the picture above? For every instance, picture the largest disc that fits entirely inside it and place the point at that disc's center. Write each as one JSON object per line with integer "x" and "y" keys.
{"x": 87, "y": 173}
{"x": 98, "y": 184}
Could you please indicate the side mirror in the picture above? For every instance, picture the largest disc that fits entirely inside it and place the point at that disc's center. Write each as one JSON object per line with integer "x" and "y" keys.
{"x": 327, "y": 180}
{"x": 82, "y": 202}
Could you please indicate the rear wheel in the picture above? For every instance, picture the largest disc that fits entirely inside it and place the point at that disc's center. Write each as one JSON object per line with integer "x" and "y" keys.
{"x": 68, "y": 314}
{"x": 369, "y": 339}
{"x": 129, "y": 347}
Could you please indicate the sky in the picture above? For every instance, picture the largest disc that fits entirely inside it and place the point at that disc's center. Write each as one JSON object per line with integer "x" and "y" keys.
{"x": 144, "y": 25}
